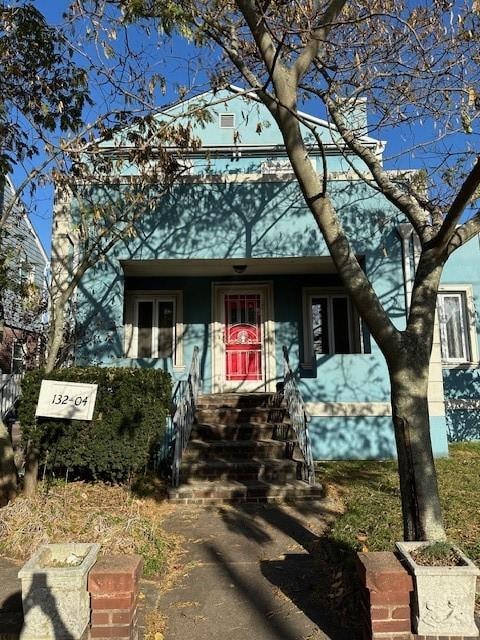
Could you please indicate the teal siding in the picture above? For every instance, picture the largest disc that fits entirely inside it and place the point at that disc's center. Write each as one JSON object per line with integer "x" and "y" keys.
{"x": 213, "y": 216}
{"x": 364, "y": 438}
{"x": 462, "y": 384}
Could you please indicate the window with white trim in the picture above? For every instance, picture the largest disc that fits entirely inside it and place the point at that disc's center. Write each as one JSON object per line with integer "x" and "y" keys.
{"x": 331, "y": 324}
{"x": 456, "y": 316}
{"x": 153, "y": 326}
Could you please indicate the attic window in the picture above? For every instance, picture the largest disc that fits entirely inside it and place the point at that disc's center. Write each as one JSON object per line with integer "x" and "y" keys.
{"x": 227, "y": 121}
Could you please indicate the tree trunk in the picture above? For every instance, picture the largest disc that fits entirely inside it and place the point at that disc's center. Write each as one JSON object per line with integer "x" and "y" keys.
{"x": 422, "y": 514}
{"x": 8, "y": 471}
{"x": 55, "y": 334}
{"x": 30, "y": 479}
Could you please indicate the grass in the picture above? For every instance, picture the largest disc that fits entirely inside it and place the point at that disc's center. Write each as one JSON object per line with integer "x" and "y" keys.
{"x": 111, "y": 515}
{"x": 372, "y": 519}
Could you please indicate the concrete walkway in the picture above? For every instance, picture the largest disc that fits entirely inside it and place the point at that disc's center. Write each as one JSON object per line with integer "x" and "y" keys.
{"x": 247, "y": 573}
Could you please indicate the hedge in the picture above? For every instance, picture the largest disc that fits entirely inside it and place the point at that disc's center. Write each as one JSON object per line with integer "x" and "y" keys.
{"x": 127, "y": 427}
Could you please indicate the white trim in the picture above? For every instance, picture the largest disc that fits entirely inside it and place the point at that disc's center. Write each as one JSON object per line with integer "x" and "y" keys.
{"x": 222, "y": 115}
{"x": 219, "y": 290}
{"x": 132, "y": 298}
{"x": 465, "y": 293}
{"x": 359, "y": 409}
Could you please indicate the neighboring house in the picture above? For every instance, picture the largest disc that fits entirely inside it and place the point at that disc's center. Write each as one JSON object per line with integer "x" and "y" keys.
{"x": 232, "y": 261}
{"x": 23, "y": 271}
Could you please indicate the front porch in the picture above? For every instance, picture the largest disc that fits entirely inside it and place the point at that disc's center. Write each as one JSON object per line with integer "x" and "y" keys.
{"x": 241, "y": 313}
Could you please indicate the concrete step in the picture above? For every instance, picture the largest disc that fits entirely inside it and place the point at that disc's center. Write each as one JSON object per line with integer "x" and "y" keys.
{"x": 209, "y": 431}
{"x": 253, "y": 469}
{"x": 237, "y": 449}
{"x": 233, "y": 415}
{"x": 211, "y": 493}
{"x": 240, "y": 400}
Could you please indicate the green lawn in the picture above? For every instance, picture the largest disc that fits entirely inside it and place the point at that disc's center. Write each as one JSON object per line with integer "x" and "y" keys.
{"x": 372, "y": 521}
{"x": 372, "y": 497}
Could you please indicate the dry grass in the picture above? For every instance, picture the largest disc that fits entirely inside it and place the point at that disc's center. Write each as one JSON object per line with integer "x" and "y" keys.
{"x": 80, "y": 512}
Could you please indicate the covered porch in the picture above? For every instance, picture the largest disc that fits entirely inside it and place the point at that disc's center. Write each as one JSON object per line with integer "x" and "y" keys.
{"x": 241, "y": 313}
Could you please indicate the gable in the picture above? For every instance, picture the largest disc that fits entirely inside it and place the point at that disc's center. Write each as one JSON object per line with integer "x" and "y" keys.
{"x": 232, "y": 117}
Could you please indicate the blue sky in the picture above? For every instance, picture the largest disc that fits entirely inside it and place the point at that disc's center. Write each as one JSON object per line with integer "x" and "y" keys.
{"x": 179, "y": 62}
{"x": 176, "y": 59}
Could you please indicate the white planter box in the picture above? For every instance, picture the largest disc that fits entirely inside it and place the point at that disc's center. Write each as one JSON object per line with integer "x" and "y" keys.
{"x": 56, "y": 603}
{"x": 444, "y": 596}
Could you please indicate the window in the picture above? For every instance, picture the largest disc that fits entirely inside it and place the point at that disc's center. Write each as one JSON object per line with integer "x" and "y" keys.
{"x": 227, "y": 121}
{"x": 331, "y": 324}
{"x": 26, "y": 273}
{"x": 457, "y": 324}
{"x": 17, "y": 357}
{"x": 153, "y": 326}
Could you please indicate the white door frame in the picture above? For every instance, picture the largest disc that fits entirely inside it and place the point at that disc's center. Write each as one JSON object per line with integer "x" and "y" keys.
{"x": 219, "y": 383}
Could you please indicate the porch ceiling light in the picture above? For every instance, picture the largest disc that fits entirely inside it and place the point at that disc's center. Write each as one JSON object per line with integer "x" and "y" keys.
{"x": 239, "y": 268}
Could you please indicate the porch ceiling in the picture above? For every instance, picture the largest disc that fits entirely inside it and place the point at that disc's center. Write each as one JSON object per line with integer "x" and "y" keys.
{"x": 225, "y": 267}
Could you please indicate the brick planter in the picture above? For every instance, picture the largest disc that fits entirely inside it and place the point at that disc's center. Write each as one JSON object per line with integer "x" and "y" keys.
{"x": 386, "y": 589}
{"x": 113, "y": 584}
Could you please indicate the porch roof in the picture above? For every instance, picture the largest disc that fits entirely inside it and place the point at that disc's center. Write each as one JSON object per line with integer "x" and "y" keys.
{"x": 228, "y": 266}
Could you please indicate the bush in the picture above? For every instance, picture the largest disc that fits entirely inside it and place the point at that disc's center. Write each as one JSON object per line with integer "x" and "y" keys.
{"x": 127, "y": 427}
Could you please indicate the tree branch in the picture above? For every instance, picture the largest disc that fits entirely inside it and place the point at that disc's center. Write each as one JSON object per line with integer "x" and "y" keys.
{"x": 465, "y": 232}
{"x": 262, "y": 36}
{"x": 406, "y": 203}
{"x": 457, "y": 207}
{"x": 311, "y": 49}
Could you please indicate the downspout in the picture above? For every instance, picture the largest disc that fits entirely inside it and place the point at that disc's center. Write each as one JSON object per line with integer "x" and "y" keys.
{"x": 405, "y": 232}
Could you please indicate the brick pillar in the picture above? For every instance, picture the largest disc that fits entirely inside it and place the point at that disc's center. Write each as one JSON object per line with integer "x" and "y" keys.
{"x": 113, "y": 583}
{"x": 386, "y": 589}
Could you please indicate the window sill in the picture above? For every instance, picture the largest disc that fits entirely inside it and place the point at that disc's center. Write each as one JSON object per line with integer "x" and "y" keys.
{"x": 460, "y": 365}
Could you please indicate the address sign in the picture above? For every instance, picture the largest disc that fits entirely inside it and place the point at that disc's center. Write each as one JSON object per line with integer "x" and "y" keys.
{"x": 73, "y": 400}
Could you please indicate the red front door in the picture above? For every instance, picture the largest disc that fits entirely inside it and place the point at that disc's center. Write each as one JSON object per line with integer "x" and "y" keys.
{"x": 243, "y": 336}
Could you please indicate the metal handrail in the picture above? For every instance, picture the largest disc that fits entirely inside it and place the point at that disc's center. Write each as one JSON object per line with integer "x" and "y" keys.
{"x": 184, "y": 404}
{"x": 299, "y": 417}
{"x": 9, "y": 393}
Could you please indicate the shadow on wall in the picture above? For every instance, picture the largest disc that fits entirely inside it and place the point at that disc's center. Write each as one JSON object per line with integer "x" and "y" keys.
{"x": 226, "y": 220}
{"x": 41, "y": 611}
{"x": 463, "y": 425}
{"x": 462, "y": 395}
{"x": 352, "y": 437}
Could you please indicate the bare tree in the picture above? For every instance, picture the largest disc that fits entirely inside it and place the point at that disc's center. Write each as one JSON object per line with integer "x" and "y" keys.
{"x": 417, "y": 66}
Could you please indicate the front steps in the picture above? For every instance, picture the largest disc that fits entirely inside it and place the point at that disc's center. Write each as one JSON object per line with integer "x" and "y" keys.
{"x": 242, "y": 449}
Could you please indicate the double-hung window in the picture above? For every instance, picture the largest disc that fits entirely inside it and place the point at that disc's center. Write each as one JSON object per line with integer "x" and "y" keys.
{"x": 153, "y": 327}
{"x": 331, "y": 324}
{"x": 457, "y": 324}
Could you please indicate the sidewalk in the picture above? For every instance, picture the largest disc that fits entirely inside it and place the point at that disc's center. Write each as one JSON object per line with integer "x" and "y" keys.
{"x": 247, "y": 574}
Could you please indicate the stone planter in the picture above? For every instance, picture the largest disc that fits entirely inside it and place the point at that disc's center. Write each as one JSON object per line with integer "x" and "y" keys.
{"x": 444, "y": 597}
{"x": 56, "y": 603}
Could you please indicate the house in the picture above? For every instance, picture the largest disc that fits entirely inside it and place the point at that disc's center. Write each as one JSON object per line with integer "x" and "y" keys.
{"x": 23, "y": 271}
{"x": 231, "y": 261}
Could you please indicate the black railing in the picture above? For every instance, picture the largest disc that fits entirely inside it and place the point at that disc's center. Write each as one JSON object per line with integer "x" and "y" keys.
{"x": 299, "y": 418}
{"x": 9, "y": 393}
{"x": 183, "y": 413}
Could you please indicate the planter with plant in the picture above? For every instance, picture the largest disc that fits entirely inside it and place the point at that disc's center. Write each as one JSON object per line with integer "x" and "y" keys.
{"x": 445, "y": 585}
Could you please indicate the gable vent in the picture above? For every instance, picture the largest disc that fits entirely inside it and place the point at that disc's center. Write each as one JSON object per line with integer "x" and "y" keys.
{"x": 227, "y": 120}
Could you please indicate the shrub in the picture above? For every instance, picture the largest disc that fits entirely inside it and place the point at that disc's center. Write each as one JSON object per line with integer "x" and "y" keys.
{"x": 128, "y": 422}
